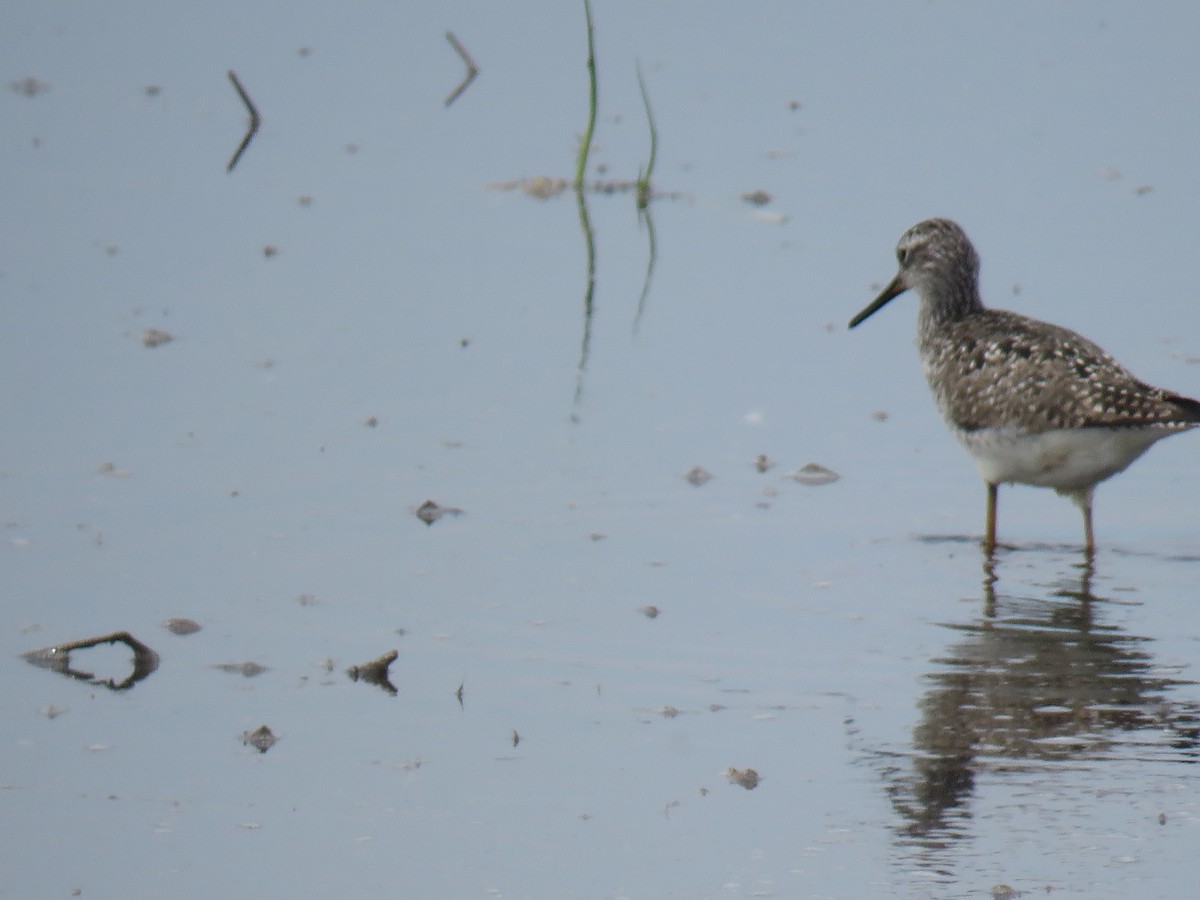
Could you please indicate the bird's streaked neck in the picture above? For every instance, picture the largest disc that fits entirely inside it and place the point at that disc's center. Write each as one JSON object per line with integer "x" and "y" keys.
{"x": 948, "y": 299}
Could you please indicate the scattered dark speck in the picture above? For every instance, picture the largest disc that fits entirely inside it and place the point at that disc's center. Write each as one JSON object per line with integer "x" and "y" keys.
{"x": 270, "y": 250}
{"x": 757, "y": 198}
{"x": 429, "y": 512}
{"x": 261, "y": 739}
{"x": 30, "y": 86}
{"x": 516, "y": 738}
{"x": 156, "y": 337}
{"x": 746, "y": 778}
{"x": 650, "y": 612}
{"x": 763, "y": 463}
{"x": 697, "y": 476}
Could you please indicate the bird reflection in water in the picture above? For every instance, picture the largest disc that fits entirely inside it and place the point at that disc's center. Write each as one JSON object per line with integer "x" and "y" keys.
{"x": 1035, "y": 680}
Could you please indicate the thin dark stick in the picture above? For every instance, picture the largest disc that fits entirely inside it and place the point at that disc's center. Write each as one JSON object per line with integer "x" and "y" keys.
{"x": 255, "y": 121}
{"x": 472, "y": 69}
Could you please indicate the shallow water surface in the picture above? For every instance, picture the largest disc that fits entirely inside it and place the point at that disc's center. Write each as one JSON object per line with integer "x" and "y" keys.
{"x": 591, "y": 650}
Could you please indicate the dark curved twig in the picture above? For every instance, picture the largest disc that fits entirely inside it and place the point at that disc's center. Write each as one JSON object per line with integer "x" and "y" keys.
{"x": 255, "y": 121}
{"x": 472, "y": 69}
{"x": 58, "y": 659}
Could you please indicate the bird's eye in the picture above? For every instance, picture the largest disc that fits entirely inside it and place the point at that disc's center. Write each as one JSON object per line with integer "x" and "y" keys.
{"x": 901, "y": 254}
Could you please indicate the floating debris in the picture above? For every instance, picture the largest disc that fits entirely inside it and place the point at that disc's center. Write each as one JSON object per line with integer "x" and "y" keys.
{"x": 58, "y": 659}
{"x": 697, "y": 476}
{"x": 261, "y": 738}
{"x": 516, "y": 738}
{"x": 757, "y": 198}
{"x": 541, "y": 187}
{"x": 1143, "y": 189}
{"x": 246, "y": 669}
{"x": 155, "y": 337}
{"x": 376, "y": 672}
{"x": 1004, "y": 892}
{"x": 669, "y": 712}
{"x": 763, "y": 463}
{"x": 880, "y": 415}
{"x": 650, "y": 612}
{"x": 152, "y": 90}
{"x": 30, "y": 86}
{"x": 459, "y": 693}
{"x": 182, "y": 627}
{"x": 429, "y": 512}
{"x": 270, "y": 250}
{"x": 371, "y": 421}
{"x": 814, "y": 474}
{"x": 598, "y": 536}
{"x": 110, "y": 468}
{"x": 746, "y": 778}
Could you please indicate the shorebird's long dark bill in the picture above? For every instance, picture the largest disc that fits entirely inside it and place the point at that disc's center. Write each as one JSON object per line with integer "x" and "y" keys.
{"x": 895, "y": 289}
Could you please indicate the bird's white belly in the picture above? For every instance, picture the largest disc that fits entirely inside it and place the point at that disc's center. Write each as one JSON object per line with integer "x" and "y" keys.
{"x": 1066, "y": 459}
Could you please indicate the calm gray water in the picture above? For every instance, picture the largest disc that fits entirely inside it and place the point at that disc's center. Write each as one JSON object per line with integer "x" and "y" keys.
{"x": 365, "y": 318}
